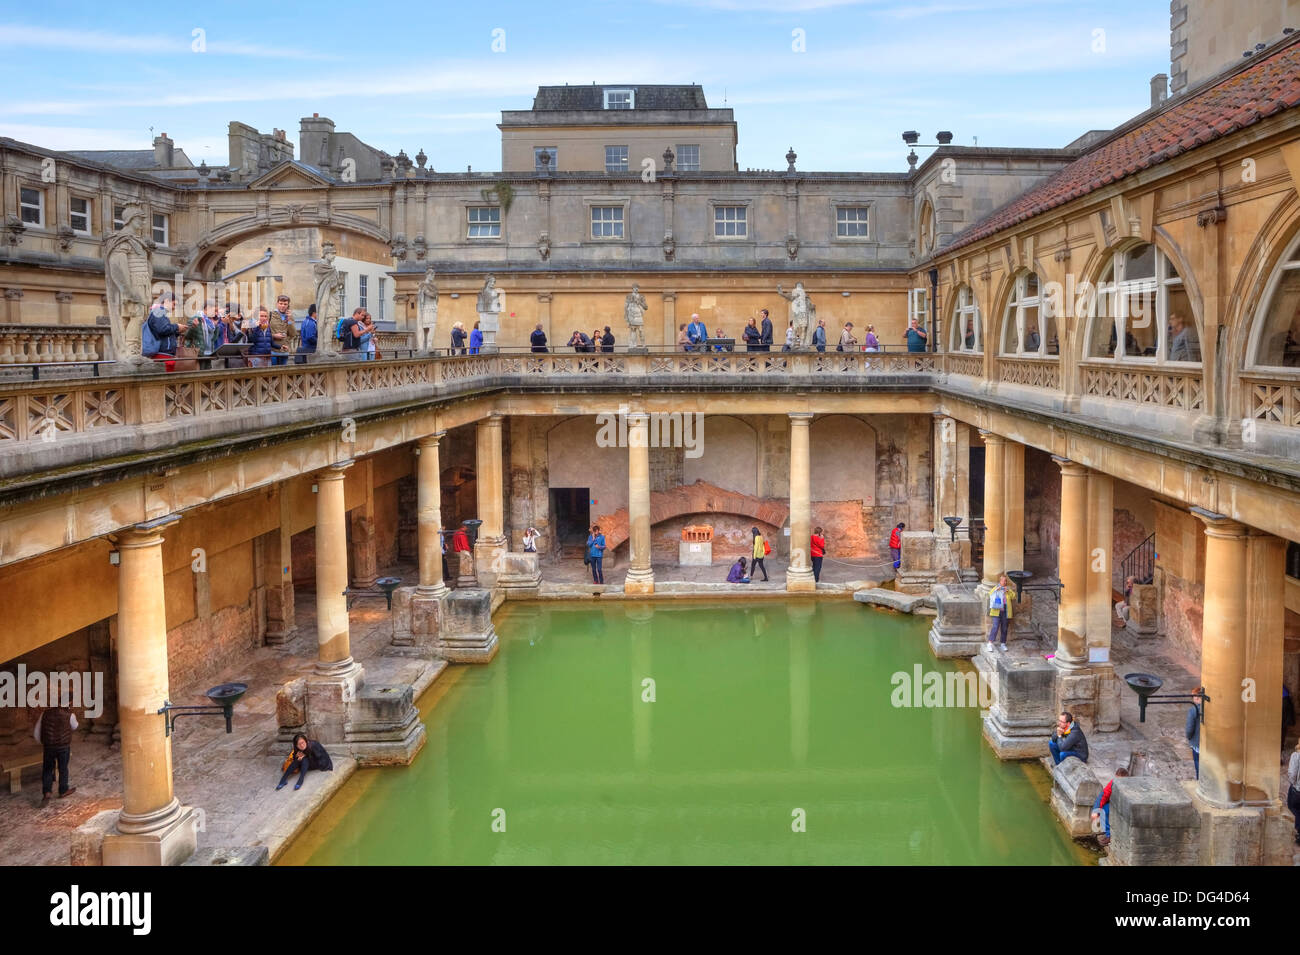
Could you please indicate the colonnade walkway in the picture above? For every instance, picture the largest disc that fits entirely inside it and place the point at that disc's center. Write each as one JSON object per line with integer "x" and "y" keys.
{"x": 229, "y": 779}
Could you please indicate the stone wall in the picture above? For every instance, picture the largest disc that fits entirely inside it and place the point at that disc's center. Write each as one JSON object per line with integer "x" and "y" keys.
{"x": 1042, "y": 509}
{"x": 1180, "y": 576}
{"x": 386, "y": 524}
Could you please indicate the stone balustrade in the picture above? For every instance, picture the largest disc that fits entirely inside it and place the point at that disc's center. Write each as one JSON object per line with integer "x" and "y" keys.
{"x": 40, "y": 344}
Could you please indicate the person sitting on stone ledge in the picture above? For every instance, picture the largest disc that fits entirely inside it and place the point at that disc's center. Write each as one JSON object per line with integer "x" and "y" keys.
{"x": 1125, "y": 606}
{"x": 306, "y": 754}
{"x": 737, "y": 573}
{"x": 1068, "y": 739}
{"x": 1101, "y": 808}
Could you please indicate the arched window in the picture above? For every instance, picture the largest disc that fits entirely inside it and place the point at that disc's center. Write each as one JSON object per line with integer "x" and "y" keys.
{"x": 926, "y": 230}
{"x": 965, "y": 331}
{"x": 1275, "y": 340}
{"x": 1142, "y": 312}
{"x": 1028, "y": 326}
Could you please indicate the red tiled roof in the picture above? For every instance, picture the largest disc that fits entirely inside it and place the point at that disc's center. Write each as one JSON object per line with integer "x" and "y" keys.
{"x": 1254, "y": 93}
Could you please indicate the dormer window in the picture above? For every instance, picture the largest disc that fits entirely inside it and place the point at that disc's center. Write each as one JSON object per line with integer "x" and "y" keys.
{"x": 619, "y": 99}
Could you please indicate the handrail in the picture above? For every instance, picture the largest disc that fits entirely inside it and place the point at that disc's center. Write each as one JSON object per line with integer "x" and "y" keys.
{"x": 1141, "y": 562}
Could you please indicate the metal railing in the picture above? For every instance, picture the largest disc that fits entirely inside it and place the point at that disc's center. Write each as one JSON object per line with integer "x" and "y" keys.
{"x": 1140, "y": 564}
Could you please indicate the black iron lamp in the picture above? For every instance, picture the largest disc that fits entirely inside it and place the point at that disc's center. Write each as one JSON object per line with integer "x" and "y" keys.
{"x": 224, "y": 696}
{"x": 471, "y": 529}
{"x": 953, "y": 523}
{"x": 1019, "y": 577}
{"x": 1145, "y": 686}
{"x": 388, "y": 585}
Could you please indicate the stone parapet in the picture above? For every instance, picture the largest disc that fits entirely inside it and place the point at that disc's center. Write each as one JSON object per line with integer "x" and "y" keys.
{"x": 960, "y": 624}
{"x": 1075, "y": 788}
{"x": 1153, "y": 821}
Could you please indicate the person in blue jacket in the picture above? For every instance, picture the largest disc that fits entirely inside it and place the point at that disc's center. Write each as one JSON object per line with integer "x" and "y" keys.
{"x": 307, "y": 336}
{"x": 475, "y": 340}
{"x": 596, "y": 553}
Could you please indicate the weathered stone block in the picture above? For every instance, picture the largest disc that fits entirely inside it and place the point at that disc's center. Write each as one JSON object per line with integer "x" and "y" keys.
{"x": 521, "y": 574}
{"x": 960, "y": 624}
{"x": 291, "y": 704}
{"x": 1144, "y": 610}
{"x": 1153, "y": 821}
{"x": 467, "y": 634}
{"x": 890, "y": 599}
{"x": 1075, "y": 788}
{"x": 1024, "y": 709}
{"x": 695, "y": 553}
{"x": 88, "y": 838}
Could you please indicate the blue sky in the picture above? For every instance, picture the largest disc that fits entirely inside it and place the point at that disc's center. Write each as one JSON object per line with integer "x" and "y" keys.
{"x": 412, "y": 75}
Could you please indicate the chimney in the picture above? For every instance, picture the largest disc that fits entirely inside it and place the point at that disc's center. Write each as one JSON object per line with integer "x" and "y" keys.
{"x": 1159, "y": 89}
{"x": 162, "y": 151}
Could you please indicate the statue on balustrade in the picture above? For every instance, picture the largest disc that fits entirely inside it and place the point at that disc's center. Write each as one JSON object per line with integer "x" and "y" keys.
{"x": 634, "y": 307}
{"x": 128, "y": 276}
{"x": 426, "y": 309}
{"x": 329, "y": 299}
{"x": 801, "y": 312}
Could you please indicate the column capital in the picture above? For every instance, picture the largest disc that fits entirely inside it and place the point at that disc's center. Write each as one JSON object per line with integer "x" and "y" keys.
{"x": 800, "y": 417}
{"x": 1072, "y": 468}
{"x": 669, "y": 296}
{"x": 636, "y": 416}
{"x": 1220, "y": 525}
{"x": 143, "y": 534}
{"x": 334, "y": 472}
{"x": 493, "y": 420}
{"x": 988, "y": 437}
{"x": 429, "y": 440}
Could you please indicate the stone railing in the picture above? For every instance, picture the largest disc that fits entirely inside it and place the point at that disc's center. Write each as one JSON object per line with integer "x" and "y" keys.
{"x": 1177, "y": 389}
{"x": 1274, "y": 398}
{"x": 959, "y": 364}
{"x": 46, "y": 409}
{"x": 1034, "y": 372}
{"x": 39, "y": 344}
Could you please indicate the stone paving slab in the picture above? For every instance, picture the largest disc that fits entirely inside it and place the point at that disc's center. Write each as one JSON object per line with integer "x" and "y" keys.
{"x": 893, "y": 600}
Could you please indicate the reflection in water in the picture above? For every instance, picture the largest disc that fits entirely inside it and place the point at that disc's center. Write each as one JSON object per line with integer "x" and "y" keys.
{"x": 755, "y": 712}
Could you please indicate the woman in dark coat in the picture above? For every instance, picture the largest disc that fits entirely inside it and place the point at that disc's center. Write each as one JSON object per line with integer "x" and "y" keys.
{"x": 306, "y": 754}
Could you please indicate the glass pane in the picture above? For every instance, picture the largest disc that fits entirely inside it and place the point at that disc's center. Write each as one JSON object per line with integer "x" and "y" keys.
{"x": 30, "y": 197}
{"x": 1140, "y": 322}
{"x": 1031, "y": 285}
{"x": 1101, "y": 334}
{"x": 1010, "y": 333}
{"x": 1140, "y": 262}
{"x": 1033, "y": 332}
{"x": 1183, "y": 343}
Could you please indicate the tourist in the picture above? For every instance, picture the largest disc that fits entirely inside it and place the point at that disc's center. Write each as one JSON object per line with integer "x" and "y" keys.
{"x": 871, "y": 342}
{"x": 1192, "y": 729}
{"x": 1293, "y": 792}
{"x": 1182, "y": 340}
{"x": 819, "y": 335}
{"x": 306, "y": 754}
{"x": 1124, "y": 607}
{"x": 737, "y": 573}
{"x": 1000, "y": 609}
{"x": 229, "y": 332}
{"x": 969, "y": 340}
{"x": 207, "y": 324}
{"x": 697, "y": 333}
{"x": 847, "y": 341}
{"x": 538, "y": 339}
{"x": 442, "y": 546}
{"x": 579, "y": 342}
{"x": 596, "y": 554}
{"x": 719, "y": 336}
{"x": 460, "y": 541}
{"x": 760, "y": 552}
{"x": 475, "y": 339}
{"x": 307, "y": 337}
{"x": 366, "y": 341}
{"x": 607, "y": 340}
{"x": 818, "y": 553}
{"x": 789, "y": 338}
{"x": 1032, "y": 340}
{"x": 765, "y": 329}
{"x": 262, "y": 339}
{"x": 350, "y": 332}
{"x": 458, "y": 337}
{"x": 1101, "y": 808}
{"x": 896, "y": 543}
{"x": 281, "y": 330}
{"x": 53, "y": 730}
{"x": 752, "y": 336}
{"x": 915, "y": 336}
{"x": 530, "y": 540}
{"x": 1068, "y": 739}
{"x": 158, "y": 336}
{"x": 683, "y": 341}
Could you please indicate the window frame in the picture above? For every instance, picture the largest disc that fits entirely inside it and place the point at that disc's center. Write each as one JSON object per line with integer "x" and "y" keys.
{"x": 118, "y": 221}
{"x": 1288, "y": 262}
{"x": 695, "y": 166}
{"x": 165, "y": 241}
{"x": 619, "y": 91}
{"x": 88, "y": 215}
{"x": 470, "y": 224}
{"x": 363, "y": 290}
{"x": 965, "y": 306}
{"x": 716, "y": 206}
{"x": 622, "y": 167}
{"x": 865, "y": 221}
{"x": 380, "y": 298}
{"x": 1113, "y": 286}
{"x": 1020, "y": 300}
{"x": 555, "y": 158}
{"x": 620, "y": 221}
{"x": 41, "y": 206}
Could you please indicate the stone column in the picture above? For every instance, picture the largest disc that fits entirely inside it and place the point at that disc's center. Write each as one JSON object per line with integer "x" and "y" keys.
{"x": 799, "y": 575}
{"x": 334, "y": 652}
{"x": 994, "y": 521}
{"x": 153, "y": 828}
{"x": 640, "y": 576}
{"x": 670, "y": 320}
{"x": 491, "y": 543}
{"x": 365, "y": 559}
{"x": 1223, "y": 661}
{"x": 429, "y": 517}
{"x": 1072, "y": 626}
{"x": 1265, "y": 627}
{"x": 281, "y": 619}
{"x": 1013, "y": 506}
{"x": 1100, "y": 586}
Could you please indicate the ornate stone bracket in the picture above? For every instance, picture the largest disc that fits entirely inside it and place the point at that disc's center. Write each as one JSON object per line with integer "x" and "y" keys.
{"x": 398, "y": 246}
{"x": 670, "y": 247}
{"x": 66, "y": 235}
{"x": 421, "y": 247}
{"x": 1215, "y": 216}
{"x": 792, "y": 247}
{"x": 14, "y": 229}
{"x": 544, "y": 246}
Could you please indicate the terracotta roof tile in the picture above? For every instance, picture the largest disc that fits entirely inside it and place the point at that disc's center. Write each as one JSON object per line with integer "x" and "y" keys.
{"x": 1262, "y": 89}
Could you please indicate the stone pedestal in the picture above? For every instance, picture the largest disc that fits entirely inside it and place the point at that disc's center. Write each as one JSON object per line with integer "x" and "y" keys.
{"x": 1153, "y": 821}
{"x": 1074, "y": 790}
{"x": 490, "y": 559}
{"x": 919, "y": 570}
{"x": 171, "y": 842}
{"x": 695, "y": 553}
{"x": 417, "y": 617}
{"x": 1091, "y": 694}
{"x": 1144, "y": 610}
{"x": 960, "y": 624}
{"x": 489, "y": 323}
{"x": 462, "y": 562}
{"x": 521, "y": 575}
{"x": 375, "y": 723}
{"x": 1023, "y": 714}
{"x": 467, "y": 634}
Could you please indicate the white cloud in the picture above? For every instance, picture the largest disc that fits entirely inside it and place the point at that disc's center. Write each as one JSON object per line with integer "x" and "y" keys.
{"x": 112, "y": 44}
{"x": 65, "y": 138}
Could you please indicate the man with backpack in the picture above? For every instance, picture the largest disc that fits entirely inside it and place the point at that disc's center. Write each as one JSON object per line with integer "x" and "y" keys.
{"x": 158, "y": 335}
{"x": 349, "y": 334}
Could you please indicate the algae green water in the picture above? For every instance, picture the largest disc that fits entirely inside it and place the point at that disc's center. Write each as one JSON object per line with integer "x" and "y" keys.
{"x": 766, "y": 718}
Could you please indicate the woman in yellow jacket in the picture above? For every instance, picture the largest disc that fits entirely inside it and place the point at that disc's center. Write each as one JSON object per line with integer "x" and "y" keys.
{"x": 760, "y": 551}
{"x": 1000, "y": 611}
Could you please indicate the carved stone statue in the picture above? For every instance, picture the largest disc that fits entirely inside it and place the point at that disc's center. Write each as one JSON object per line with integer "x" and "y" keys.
{"x": 329, "y": 299}
{"x": 801, "y": 311}
{"x": 489, "y": 313}
{"x": 634, "y": 307}
{"x": 127, "y": 275}
{"x": 426, "y": 308}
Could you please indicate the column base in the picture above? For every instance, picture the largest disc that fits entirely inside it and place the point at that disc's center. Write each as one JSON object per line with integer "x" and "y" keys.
{"x": 489, "y": 560}
{"x": 800, "y": 581}
{"x": 1023, "y": 713}
{"x": 959, "y": 624}
{"x": 170, "y": 842}
{"x": 466, "y": 634}
{"x": 521, "y": 575}
{"x": 417, "y": 616}
{"x": 640, "y": 583}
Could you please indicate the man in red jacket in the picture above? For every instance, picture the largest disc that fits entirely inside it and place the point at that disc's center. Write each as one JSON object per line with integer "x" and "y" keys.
{"x": 1102, "y": 807}
{"x": 896, "y": 544}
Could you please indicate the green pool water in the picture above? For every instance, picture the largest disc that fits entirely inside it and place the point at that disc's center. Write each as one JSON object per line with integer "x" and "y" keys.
{"x": 763, "y": 714}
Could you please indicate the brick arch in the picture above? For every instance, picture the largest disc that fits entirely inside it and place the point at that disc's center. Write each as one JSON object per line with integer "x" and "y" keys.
{"x": 697, "y": 498}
